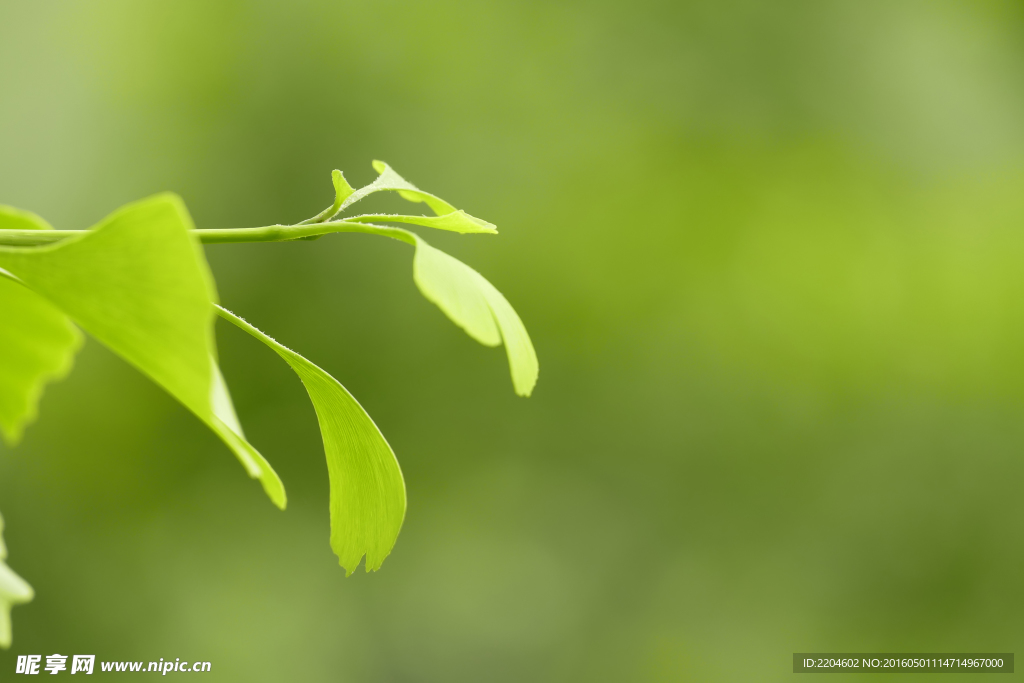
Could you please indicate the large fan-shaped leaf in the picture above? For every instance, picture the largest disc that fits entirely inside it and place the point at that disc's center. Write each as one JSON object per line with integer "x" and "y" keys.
{"x": 13, "y": 591}
{"x": 367, "y": 489}
{"x": 139, "y": 283}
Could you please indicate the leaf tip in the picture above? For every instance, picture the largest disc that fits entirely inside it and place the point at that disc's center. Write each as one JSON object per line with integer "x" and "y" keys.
{"x": 525, "y": 390}
{"x": 342, "y": 190}
{"x": 172, "y": 198}
{"x": 272, "y": 484}
{"x": 280, "y": 501}
{"x": 354, "y": 565}
{"x": 379, "y": 166}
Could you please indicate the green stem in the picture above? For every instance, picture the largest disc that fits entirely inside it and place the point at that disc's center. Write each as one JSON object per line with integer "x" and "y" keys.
{"x": 269, "y": 233}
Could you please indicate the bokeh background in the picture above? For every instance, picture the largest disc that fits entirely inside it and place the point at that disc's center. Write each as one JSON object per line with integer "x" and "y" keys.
{"x": 770, "y": 255}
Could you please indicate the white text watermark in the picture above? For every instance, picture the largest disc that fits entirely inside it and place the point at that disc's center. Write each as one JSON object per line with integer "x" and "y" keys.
{"x": 86, "y": 664}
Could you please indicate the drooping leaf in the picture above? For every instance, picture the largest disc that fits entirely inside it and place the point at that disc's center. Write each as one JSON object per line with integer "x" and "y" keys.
{"x": 13, "y": 591}
{"x": 37, "y": 345}
{"x": 367, "y": 489}
{"x": 138, "y": 282}
{"x": 476, "y": 306}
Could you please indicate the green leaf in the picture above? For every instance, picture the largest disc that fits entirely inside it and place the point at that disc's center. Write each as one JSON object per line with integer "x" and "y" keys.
{"x": 476, "y": 306}
{"x": 37, "y": 342}
{"x": 138, "y": 282}
{"x": 447, "y": 216}
{"x": 342, "y": 191}
{"x": 367, "y": 489}
{"x": 37, "y": 345}
{"x": 19, "y": 219}
{"x": 13, "y": 591}
{"x": 456, "y": 221}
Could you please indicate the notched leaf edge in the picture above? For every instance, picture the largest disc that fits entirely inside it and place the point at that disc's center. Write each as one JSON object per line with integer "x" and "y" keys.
{"x": 368, "y": 495}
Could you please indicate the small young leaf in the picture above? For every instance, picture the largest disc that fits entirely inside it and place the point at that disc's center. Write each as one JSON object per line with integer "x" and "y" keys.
{"x": 342, "y": 191}
{"x": 37, "y": 345}
{"x": 138, "y": 282}
{"x": 447, "y": 218}
{"x": 476, "y": 306}
{"x": 389, "y": 180}
{"x": 13, "y": 591}
{"x": 456, "y": 221}
{"x": 367, "y": 489}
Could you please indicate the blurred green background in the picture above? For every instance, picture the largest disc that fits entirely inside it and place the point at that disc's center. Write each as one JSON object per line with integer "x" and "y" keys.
{"x": 770, "y": 257}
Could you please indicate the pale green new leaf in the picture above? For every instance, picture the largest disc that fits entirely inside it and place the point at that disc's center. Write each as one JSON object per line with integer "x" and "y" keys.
{"x": 456, "y": 221}
{"x": 447, "y": 216}
{"x": 13, "y": 591}
{"x": 388, "y": 179}
{"x": 476, "y": 306}
{"x": 342, "y": 191}
{"x": 367, "y": 489}
{"x": 138, "y": 282}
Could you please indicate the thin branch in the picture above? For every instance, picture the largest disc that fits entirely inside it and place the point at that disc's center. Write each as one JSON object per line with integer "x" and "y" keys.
{"x": 269, "y": 233}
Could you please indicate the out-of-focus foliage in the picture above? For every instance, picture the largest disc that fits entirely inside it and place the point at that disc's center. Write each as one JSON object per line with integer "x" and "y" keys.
{"x": 13, "y": 591}
{"x": 769, "y": 252}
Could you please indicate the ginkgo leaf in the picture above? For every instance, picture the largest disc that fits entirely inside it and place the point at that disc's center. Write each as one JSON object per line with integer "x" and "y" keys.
{"x": 13, "y": 591}
{"x": 139, "y": 283}
{"x": 37, "y": 342}
{"x": 37, "y": 345}
{"x": 470, "y": 301}
{"x": 12, "y": 218}
{"x": 447, "y": 216}
{"x": 476, "y": 306}
{"x": 367, "y": 489}
{"x": 388, "y": 179}
{"x": 456, "y": 221}
{"x": 342, "y": 191}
